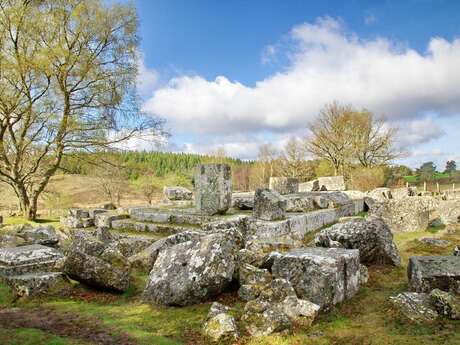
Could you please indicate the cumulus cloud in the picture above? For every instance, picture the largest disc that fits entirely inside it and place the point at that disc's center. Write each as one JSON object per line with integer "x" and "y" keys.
{"x": 146, "y": 78}
{"x": 418, "y": 132}
{"x": 325, "y": 63}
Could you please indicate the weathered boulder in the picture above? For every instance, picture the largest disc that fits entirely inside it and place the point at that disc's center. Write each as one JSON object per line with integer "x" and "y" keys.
{"x": 177, "y": 193}
{"x": 446, "y": 304}
{"x": 105, "y": 219}
{"x": 310, "y": 186}
{"x": 131, "y": 245}
{"x": 325, "y": 276}
{"x": 404, "y": 215}
{"x": 269, "y": 205}
{"x": 284, "y": 185}
{"x": 45, "y": 235}
{"x": 219, "y": 324}
{"x": 416, "y": 307}
{"x": 264, "y": 320}
{"x": 426, "y": 273}
{"x": 299, "y": 311}
{"x": 213, "y": 188}
{"x": 332, "y": 183}
{"x": 372, "y": 238}
{"x": 75, "y": 223}
{"x": 252, "y": 281}
{"x": 37, "y": 284}
{"x": 147, "y": 257}
{"x": 299, "y": 202}
{"x": 109, "y": 271}
{"x": 193, "y": 271}
{"x": 239, "y": 222}
{"x": 30, "y": 259}
{"x": 243, "y": 201}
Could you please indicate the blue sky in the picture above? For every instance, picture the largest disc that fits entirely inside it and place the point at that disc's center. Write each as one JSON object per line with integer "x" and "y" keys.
{"x": 236, "y": 74}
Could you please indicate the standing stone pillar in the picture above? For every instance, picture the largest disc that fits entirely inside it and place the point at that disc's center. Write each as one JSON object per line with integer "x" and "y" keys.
{"x": 213, "y": 188}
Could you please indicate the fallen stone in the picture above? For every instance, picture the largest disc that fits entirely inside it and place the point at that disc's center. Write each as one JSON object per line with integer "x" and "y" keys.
{"x": 220, "y": 325}
{"x": 299, "y": 311}
{"x": 266, "y": 322}
{"x": 416, "y": 307}
{"x": 332, "y": 183}
{"x": 269, "y": 205}
{"x": 239, "y": 222}
{"x": 106, "y": 219}
{"x": 213, "y": 185}
{"x": 325, "y": 276}
{"x": 446, "y": 304}
{"x": 45, "y": 235}
{"x": 299, "y": 203}
{"x": 75, "y": 223}
{"x": 436, "y": 242}
{"x": 37, "y": 284}
{"x": 380, "y": 194}
{"x": 243, "y": 201}
{"x": 426, "y": 273}
{"x": 30, "y": 259}
{"x": 372, "y": 238}
{"x": 284, "y": 185}
{"x": 193, "y": 271}
{"x": 177, "y": 193}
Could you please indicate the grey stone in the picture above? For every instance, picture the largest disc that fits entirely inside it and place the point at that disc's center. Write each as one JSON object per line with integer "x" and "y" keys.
{"x": 147, "y": 257}
{"x": 75, "y": 223}
{"x": 380, "y": 194}
{"x": 446, "y": 304}
{"x": 436, "y": 242}
{"x": 219, "y": 324}
{"x": 299, "y": 203}
{"x": 213, "y": 186}
{"x": 45, "y": 235}
{"x": 106, "y": 219}
{"x": 124, "y": 224}
{"x": 269, "y": 321}
{"x": 177, "y": 193}
{"x": 363, "y": 275}
{"x": 325, "y": 276}
{"x": 193, "y": 271}
{"x": 449, "y": 211}
{"x": 416, "y": 307}
{"x": 332, "y": 183}
{"x": 131, "y": 245}
{"x": 243, "y": 201}
{"x": 404, "y": 192}
{"x": 426, "y": 273}
{"x": 299, "y": 311}
{"x": 269, "y": 205}
{"x": 310, "y": 186}
{"x": 79, "y": 213}
{"x": 37, "y": 284}
{"x": 284, "y": 185}
{"x": 372, "y": 238}
{"x": 456, "y": 251}
{"x": 30, "y": 259}
{"x": 251, "y": 275}
{"x": 239, "y": 222}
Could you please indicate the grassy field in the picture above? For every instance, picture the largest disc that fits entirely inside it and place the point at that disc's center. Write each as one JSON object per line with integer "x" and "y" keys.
{"x": 366, "y": 319}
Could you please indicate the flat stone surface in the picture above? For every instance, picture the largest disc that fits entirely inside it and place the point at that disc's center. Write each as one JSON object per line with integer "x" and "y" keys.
{"x": 324, "y": 276}
{"x": 426, "y": 273}
{"x": 332, "y": 183}
{"x": 29, "y": 259}
{"x": 269, "y": 205}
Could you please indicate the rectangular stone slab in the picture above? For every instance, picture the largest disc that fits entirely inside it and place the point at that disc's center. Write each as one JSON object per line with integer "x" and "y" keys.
{"x": 324, "y": 276}
{"x": 426, "y": 273}
{"x": 29, "y": 259}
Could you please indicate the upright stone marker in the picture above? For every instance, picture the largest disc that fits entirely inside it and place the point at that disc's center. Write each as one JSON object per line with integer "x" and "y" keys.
{"x": 213, "y": 184}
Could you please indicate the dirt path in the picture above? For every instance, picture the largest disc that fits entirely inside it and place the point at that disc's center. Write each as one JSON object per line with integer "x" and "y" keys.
{"x": 68, "y": 325}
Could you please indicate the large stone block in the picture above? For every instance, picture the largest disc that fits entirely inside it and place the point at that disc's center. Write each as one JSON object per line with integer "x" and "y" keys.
{"x": 30, "y": 259}
{"x": 37, "y": 284}
{"x": 213, "y": 188}
{"x": 269, "y": 205}
{"x": 310, "y": 186}
{"x": 426, "y": 273}
{"x": 243, "y": 200}
{"x": 324, "y": 276}
{"x": 372, "y": 238}
{"x": 177, "y": 193}
{"x": 284, "y": 185}
{"x": 332, "y": 183}
{"x": 449, "y": 211}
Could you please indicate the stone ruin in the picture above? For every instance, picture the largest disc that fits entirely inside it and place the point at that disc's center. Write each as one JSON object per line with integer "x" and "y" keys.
{"x": 291, "y": 254}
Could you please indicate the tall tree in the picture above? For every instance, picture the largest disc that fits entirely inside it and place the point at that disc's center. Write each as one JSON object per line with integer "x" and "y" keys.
{"x": 426, "y": 171}
{"x": 293, "y": 161}
{"x": 67, "y": 72}
{"x": 451, "y": 166}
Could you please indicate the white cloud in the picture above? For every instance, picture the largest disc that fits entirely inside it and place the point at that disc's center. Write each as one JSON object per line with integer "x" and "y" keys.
{"x": 326, "y": 64}
{"x": 147, "y": 79}
{"x": 418, "y": 131}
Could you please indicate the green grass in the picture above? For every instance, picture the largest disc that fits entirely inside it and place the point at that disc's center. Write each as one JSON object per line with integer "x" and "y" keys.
{"x": 366, "y": 319}
{"x": 31, "y": 336}
{"x": 21, "y": 220}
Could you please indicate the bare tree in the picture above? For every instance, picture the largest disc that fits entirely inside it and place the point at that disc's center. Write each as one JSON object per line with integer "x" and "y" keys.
{"x": 112, "y": 180}
{"x": 67, "y": 73}
{"x": 293, "y": 162}
{"x": 267, "y": 158}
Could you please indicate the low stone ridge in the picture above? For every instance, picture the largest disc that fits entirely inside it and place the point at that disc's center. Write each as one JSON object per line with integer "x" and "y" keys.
{"x": 213, "y": 188}
{"x": 243, "y": 201}
{"x": 193, "y": 271}
{"x": 436, "y": 242}
{"x": 177, "y": 193}
{"x": 30, "y": 259}
{"x": 405, "y": 215}
{"x": 220, "y": 325}
{"x": 416, "y": 307}
{"x": 37, "y": 284}
{"x": 269, "y": 205}
{"x": 332, "y": 183}
{"x": 325, "y": 276}
{"x": 284, "y": 185}
{"x": 426, "y": 273}
{"x": 372, "y": 238}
